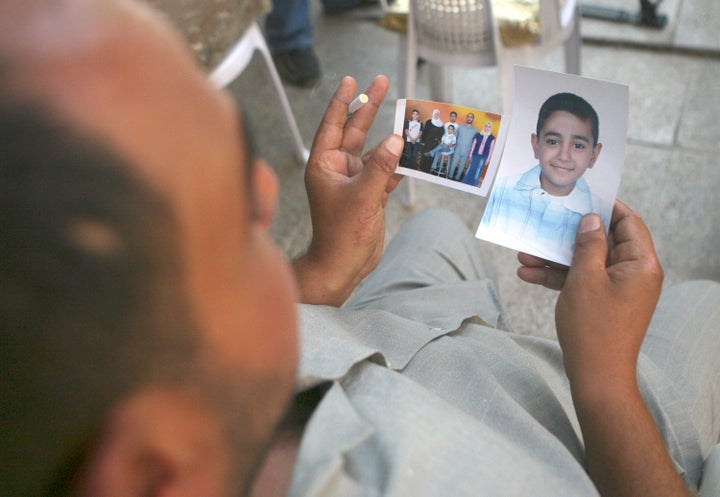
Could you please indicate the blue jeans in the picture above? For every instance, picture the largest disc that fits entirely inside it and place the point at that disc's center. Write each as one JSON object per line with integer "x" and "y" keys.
{"x": 288, "y": 27}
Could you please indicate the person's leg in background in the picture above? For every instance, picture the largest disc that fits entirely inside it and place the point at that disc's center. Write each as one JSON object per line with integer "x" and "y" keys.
{"x": 290, "y": 38}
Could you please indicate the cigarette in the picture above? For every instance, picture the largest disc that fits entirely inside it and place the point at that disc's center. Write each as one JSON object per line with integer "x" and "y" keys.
{"x": 359, "y": 101}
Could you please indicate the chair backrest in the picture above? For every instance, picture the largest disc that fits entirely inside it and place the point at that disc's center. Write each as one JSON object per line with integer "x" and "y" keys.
{"x": 466, "y": 28}
{"x": 454, "y": 30}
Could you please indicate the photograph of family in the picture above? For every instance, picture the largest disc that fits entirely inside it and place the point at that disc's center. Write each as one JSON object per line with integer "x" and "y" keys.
{"x": 449, "y": 144}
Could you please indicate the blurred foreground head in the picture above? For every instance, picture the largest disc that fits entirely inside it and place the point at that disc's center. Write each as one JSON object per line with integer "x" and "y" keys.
{"x": 147, "y": 320}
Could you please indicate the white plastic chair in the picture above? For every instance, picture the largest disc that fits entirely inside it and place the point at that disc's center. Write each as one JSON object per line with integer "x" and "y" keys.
{"x": 465, "y": 33}
{"x": 235, "y": 63}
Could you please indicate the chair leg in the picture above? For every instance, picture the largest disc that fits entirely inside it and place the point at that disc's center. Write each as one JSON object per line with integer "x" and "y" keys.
{"x": 236, "y": 62}
{"x": 407, "y": 68}
{"x": 444, "y": 162}
{"x": 406, "y": 190}
{"x": 439, "y": 81}
{"x": 506, "y": 80}
{"x": 572, "y": 46}
{"x": 407, "y": 74}
{"x": 302, "y": 151}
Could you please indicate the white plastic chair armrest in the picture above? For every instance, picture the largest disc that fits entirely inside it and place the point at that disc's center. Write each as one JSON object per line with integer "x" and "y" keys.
{"x": 710, "y": 484}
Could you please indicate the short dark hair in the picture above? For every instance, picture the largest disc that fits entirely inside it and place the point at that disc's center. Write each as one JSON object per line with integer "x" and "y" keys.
{"x": 575, "y": 105}
{"x": 91, "y": 309}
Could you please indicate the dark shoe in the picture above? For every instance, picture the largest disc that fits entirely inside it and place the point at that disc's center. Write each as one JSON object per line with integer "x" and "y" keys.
{"x": 299, "y": 67}
{"x": 335, "y": 7}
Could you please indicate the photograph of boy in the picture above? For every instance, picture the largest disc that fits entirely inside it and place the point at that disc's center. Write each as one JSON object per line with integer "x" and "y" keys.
{"x": 443, "y": 151}
{"x": 412, "y": 132}
{"x": 541, "y": 207}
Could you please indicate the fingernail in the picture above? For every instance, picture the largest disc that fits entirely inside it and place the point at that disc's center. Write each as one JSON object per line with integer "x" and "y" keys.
{"x": 395, "y": 145}
{"x": 590, "y": 222}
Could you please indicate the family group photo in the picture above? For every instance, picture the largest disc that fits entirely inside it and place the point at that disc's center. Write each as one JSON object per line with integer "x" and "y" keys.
{"x": 448, "y": 144}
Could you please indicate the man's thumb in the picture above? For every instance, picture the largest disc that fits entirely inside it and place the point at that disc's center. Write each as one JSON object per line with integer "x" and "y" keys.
{"x": 590, "y": 242}
{"x": 383, "y": 161}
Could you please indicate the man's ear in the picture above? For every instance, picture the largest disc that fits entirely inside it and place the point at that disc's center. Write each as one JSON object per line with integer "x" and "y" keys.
{"x": 157, "y": 443}
{"x": 534, "y": 143}
{"x": 595, "y": 155}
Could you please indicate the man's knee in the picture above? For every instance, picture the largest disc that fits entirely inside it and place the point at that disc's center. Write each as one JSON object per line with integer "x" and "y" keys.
{"x": 437, "y": 221}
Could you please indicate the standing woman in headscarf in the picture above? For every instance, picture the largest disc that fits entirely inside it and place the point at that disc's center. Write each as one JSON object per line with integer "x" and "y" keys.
{"x": 432, "y": 134}
{"x": 480, "y": 153}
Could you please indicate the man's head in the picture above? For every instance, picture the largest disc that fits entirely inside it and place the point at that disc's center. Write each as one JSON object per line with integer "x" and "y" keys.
{"x": 149, "y": 318}
{"x": 453, "y": 116}
{"x": 415, "y": 114}
{"x": 469, "y": 118}
{"x": 565, "y": 142}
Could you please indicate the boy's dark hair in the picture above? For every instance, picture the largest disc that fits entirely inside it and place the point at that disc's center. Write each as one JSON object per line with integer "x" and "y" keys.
{"x": 451, "y": 126}
{"x": 575, "y": 105}
{"x": 91, "y": 302}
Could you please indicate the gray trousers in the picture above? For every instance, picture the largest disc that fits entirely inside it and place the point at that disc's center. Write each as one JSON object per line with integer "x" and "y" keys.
{"x": 679, "y": 367}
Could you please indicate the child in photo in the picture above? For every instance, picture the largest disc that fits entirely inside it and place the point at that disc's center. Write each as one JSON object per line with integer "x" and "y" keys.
{"x": 542, "y": 207}
{"x": 412, "y": 131}
{"x": 445, "y": 148}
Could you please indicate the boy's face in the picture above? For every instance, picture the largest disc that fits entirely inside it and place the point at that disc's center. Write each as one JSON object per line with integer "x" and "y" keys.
{"x": 451, "y": 130}
{"x": 415, "y": 115}
{"x": 565, "y": 150}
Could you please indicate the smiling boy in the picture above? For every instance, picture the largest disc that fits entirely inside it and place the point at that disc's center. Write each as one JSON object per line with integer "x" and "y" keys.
{"x": 540, "y": 209}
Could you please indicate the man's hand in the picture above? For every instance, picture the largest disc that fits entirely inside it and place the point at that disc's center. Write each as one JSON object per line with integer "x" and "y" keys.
{"x": 608, "y": 297}
{"x": 608, "y": 294}
{"x": 347, "y": 195}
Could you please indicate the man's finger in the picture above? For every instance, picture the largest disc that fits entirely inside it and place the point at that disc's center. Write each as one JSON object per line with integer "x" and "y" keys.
{"x": 548, "y": 277}
{"x": 535, "y": 261}
{"x": 357, "y": 126}
{"x": 332, "y": 127}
